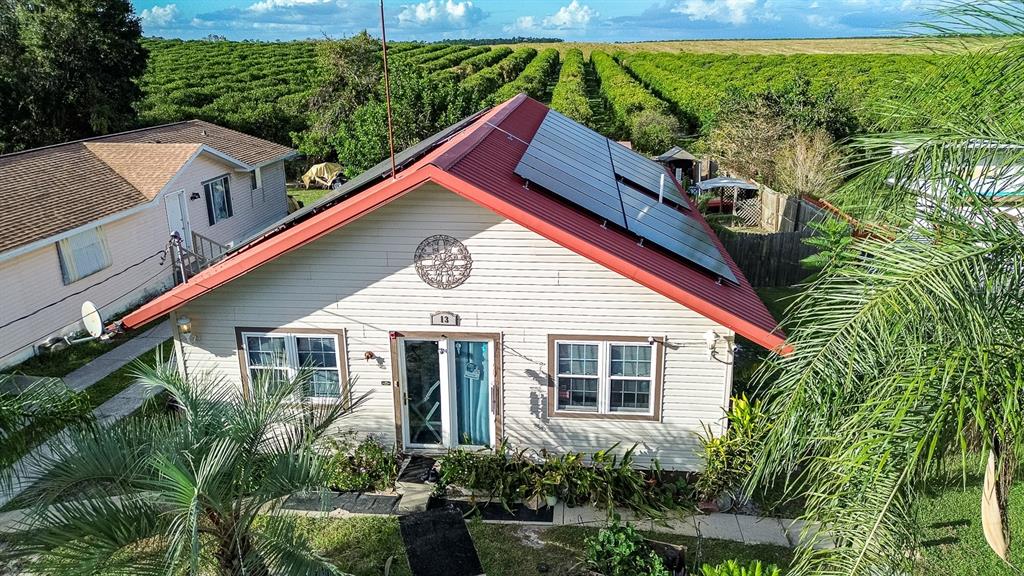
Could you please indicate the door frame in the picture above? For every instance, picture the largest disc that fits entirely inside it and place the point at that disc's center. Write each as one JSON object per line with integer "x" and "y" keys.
{"x": 397, "y": 388}
{"x": 179, "y": 197}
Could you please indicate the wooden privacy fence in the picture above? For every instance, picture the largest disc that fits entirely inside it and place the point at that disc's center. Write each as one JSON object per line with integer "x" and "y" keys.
{"x": 770, "y": 259}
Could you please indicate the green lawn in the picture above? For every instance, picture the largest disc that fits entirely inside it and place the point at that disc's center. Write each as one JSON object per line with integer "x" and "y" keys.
{"x": 307, "y": 197}
{"x": 952, "y": 542}
{"x": 63, "y": 362}
{"x": 27, "y": 438}
{"x": 361, "y": 546}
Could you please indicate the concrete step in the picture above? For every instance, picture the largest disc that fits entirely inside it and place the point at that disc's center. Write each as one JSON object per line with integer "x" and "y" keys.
{"x": 415, "y": 496}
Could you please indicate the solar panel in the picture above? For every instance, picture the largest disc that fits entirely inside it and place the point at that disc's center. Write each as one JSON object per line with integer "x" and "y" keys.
{"x": 645, "y": 172}
{"x": 573, "y": 164}
{"x": 607, "y": 179}
{"x": 673, "y": 231}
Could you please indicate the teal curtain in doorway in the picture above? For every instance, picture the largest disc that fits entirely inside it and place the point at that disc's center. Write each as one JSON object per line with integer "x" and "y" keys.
{"x": 472, "y": 392}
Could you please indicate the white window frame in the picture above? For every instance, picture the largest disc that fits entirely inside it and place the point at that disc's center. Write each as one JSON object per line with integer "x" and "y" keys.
{"x": 292, "y": 357}
{"x": 604, "y": 378}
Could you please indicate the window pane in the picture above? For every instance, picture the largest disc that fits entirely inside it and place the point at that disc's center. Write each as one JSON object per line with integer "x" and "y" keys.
{"x": 577, "y": 394}
{"x": 324, "y": 384}
{"x": 577, "y": 359}
{"x": 630, "y": 395}
{"x": 316, "y": 352}
{"x": 271, "y": 377}
{"x": 266, "y": 351}
{"x": 630, "y": 361}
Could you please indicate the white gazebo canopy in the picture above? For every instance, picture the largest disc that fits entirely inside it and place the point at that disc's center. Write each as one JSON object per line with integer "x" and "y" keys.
{"x": 726, "y": 182}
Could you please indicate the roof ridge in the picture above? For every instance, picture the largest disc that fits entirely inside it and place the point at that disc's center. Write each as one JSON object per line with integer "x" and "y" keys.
{"x": 457, "y": 149}
{"x": 92, "y": 138}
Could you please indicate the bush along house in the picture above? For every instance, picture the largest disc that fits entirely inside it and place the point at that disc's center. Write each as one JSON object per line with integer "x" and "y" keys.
{"x": 520, "y": 277}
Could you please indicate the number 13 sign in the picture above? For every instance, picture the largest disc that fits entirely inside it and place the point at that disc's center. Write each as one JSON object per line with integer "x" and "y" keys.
{"x": 444, "y": 319}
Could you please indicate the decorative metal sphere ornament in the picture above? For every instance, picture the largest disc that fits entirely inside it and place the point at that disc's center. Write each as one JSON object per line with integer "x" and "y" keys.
{"x": 443, "y": 262}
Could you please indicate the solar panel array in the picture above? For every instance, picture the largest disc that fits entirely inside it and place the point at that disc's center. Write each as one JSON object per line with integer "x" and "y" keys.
{"x": 617, "y": 185}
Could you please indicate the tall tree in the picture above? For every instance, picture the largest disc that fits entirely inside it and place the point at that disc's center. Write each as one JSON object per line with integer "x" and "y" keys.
{"x": 71, "y": 66}
{"x": 907, "y": 346}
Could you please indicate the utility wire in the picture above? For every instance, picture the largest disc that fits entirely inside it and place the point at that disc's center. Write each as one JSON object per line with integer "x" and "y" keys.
{"x": 108, "y": 303}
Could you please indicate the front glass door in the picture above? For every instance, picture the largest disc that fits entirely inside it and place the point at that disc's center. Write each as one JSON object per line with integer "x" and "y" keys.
{"x": 423, "y": 392}
{"x": 447, "y": 392}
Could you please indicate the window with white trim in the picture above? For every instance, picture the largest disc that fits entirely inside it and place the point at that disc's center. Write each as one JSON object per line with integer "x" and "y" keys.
{"x": 83, "y": 254}
{"x": 604, "y": 377}
{"x": 277, "y": 357}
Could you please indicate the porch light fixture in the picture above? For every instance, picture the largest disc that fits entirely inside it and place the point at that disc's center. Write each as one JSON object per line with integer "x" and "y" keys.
{"x": 711, "y": 339}
{"x": 185, "y": 328}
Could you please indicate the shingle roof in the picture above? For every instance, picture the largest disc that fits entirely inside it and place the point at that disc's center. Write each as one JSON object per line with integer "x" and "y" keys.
{"x": 49, "y": 190}
{"x": 478, "y": 163}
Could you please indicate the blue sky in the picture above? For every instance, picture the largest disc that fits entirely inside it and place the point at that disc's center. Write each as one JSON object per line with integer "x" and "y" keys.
{"x": 594, "y": 20}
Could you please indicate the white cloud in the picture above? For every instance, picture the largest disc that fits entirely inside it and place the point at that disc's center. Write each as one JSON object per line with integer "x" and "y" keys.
{"x": 820, "y": 21}
{"x": 268, "y": 5}
{"x": 159, "y": 16}
{"x": 813, "y": 6}
{"x": 522, "y": 24}
{"x": 434, "y": 12}
{"x": 730, "y": 11}
{"x": 572, "y": 16}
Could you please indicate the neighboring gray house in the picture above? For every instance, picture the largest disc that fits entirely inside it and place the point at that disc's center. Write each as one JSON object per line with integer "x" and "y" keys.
{"x": 88, "y": 220}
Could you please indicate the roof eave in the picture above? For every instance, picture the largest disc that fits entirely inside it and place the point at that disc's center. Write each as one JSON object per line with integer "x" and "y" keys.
{"x": 310, "y": 230}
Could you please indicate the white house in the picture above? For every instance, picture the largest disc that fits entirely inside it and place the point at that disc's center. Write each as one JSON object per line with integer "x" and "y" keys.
{"x": 91, "y": 219}
{"x": 517, "y": 278}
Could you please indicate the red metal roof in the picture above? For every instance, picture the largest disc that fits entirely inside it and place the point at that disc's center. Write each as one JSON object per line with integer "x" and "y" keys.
{"x": 478, "y": 164}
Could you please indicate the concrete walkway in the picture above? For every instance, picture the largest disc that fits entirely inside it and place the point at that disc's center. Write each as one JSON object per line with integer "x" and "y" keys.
{"x": 105, "y": 364}
{"x": 119, "y": 406}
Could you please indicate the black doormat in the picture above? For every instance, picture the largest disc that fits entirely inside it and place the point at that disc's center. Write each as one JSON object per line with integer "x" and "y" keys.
{"x": 437, "y": 543}
{"x": 417, "y": 470}
{"x": 495, "y": 511}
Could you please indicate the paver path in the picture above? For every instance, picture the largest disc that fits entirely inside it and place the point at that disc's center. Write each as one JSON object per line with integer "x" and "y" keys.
{"x": 121, "y": 405}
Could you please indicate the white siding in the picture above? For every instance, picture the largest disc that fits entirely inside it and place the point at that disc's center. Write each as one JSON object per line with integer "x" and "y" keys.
{"x": 361, "y": 279}
{"x": 33, "y": 280}
{"x": 252, "y": 210}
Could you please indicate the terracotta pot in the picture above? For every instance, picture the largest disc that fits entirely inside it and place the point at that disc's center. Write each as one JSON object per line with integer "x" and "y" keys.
{"x": 708, "y": 506}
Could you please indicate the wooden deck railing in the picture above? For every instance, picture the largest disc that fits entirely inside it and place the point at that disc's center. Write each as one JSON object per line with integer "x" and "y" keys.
{"x": 207, "y": 249}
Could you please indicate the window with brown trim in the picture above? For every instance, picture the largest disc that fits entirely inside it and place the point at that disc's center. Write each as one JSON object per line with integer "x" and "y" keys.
{"x": 279, "y": 355}
{"x": 604, "y": 376}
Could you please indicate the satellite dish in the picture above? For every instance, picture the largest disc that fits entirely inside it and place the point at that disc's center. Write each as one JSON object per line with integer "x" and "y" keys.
{"x": 91, "y": 319}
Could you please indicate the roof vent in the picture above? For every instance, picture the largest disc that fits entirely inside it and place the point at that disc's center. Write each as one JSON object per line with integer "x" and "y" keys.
{"x": 204, "y": 133}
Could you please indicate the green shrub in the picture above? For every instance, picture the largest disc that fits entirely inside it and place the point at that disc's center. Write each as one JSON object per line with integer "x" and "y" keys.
{"x": 630, "y": 101}
{"x": 533, "y": 80}
{"x": 570, "y": 94}
{"x": 733, "y": 568}
{"x": 477, "y": 87}
{"x": 368, "y": 465}
{"x": 729, "y": 457}
{"x": 607, "y": 481}
{"x": 619, "y": 550}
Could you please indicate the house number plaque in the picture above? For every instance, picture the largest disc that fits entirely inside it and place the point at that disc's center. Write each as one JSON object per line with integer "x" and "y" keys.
{"x": 444, "y": 319}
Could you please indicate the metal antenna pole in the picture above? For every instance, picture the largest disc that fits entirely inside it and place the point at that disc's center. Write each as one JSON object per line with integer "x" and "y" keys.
{"x": 387, "y": 90}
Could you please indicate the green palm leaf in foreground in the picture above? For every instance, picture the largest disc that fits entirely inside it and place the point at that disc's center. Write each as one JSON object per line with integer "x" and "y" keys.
{"x": 908, "y": 346}
{"x": 188, "y": 493}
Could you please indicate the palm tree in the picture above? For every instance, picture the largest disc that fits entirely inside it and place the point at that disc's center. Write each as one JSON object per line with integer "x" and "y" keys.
{"x": 189, "y": 492}
{"x": 908, "y": 345}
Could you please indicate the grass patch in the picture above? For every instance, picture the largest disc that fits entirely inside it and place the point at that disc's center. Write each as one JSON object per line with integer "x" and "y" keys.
{"x": 61, "y": 363}
{"x": 361, "y": 546}
{"x": 27, "y": 438}
{"x": 949, "y": 527}
{"x": 305, "y": 196}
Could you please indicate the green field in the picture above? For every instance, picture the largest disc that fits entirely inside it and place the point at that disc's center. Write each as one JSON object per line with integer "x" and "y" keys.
{"x": 264, "y": 88}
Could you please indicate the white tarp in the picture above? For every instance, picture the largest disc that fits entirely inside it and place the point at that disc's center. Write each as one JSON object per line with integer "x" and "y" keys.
{"x": 726, "y": 182}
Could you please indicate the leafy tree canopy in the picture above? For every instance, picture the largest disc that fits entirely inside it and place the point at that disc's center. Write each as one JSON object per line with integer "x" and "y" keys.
{"x": 69, "y": 70}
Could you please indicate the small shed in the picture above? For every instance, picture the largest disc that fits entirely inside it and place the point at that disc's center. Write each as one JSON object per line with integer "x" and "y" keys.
{"x": 682, "y": 163}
